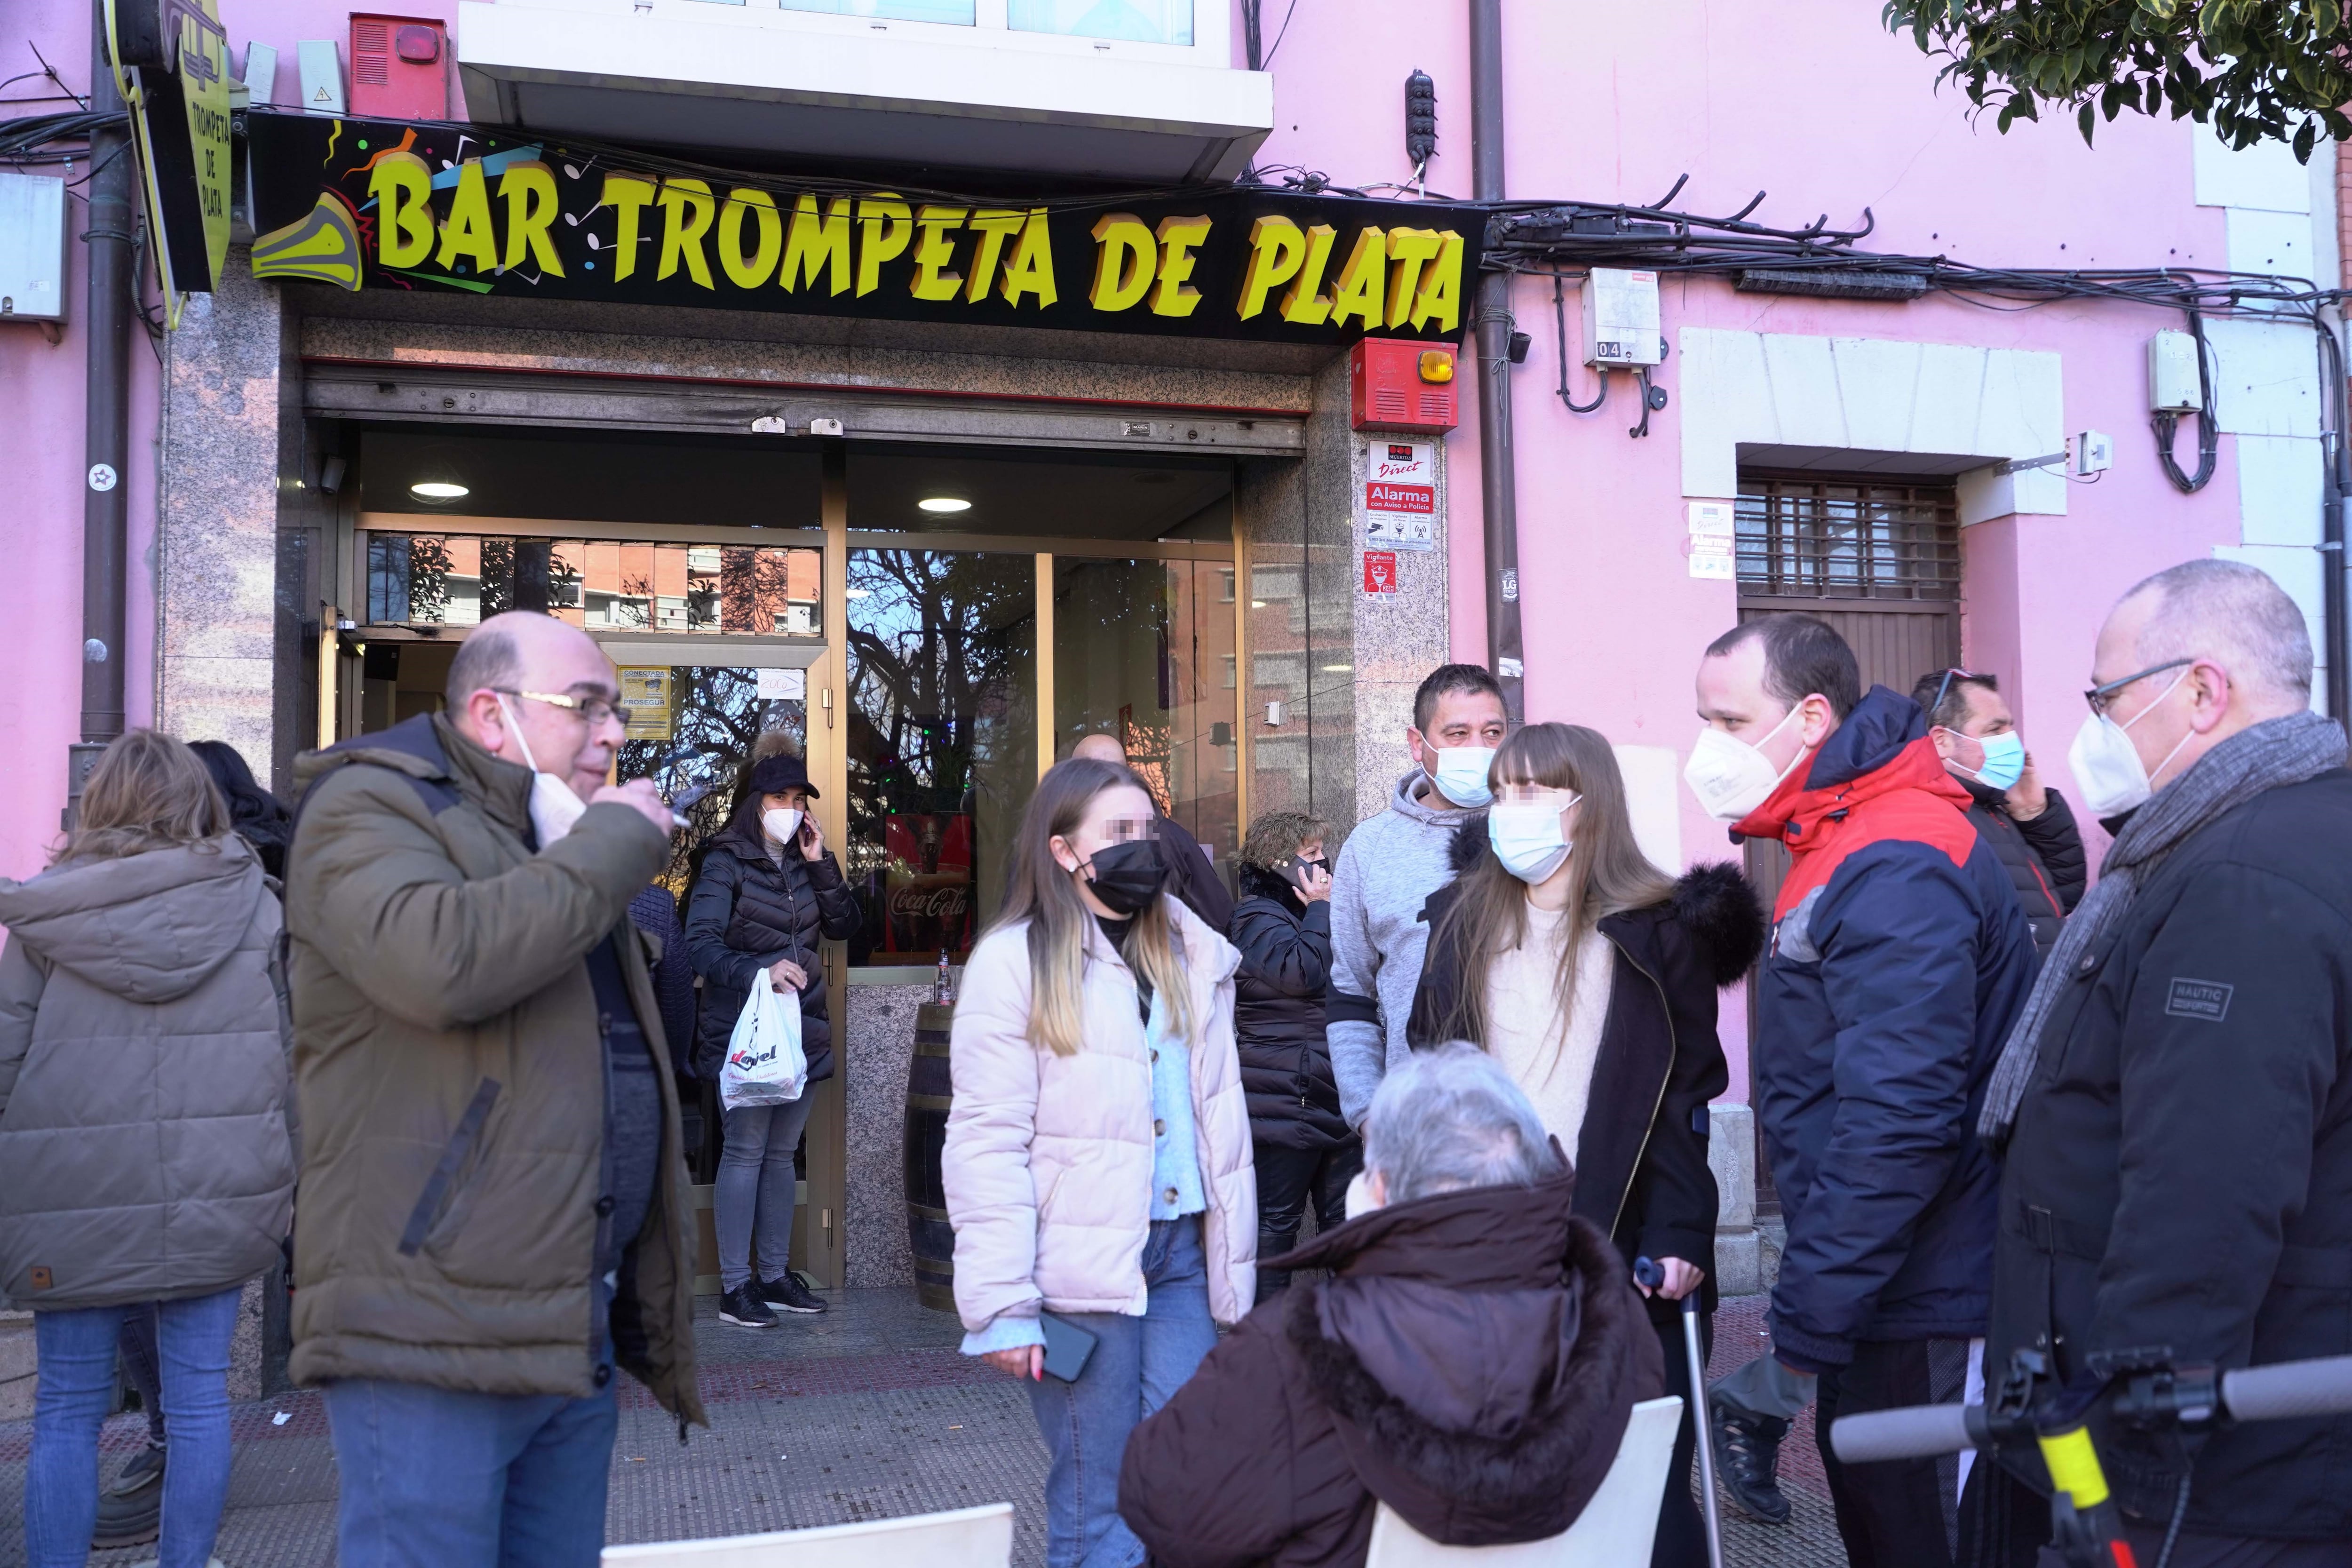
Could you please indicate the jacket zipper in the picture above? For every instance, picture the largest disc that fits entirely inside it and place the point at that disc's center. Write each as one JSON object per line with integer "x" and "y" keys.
{"x": 1673, "y": 1050}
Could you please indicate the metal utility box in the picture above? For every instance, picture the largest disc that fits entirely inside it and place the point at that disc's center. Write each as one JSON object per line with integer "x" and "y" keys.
{"x": 319, "y": 64}
{"x": 32, "y": 247}
{"x": 2174, "y": 386}
{"x": 400, "y": 68}
{"x": 1620, "y": 317}
{"x": 1396, "y": 384}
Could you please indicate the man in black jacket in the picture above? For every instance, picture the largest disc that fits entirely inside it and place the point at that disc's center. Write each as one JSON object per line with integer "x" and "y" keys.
{"x": 1192, "y": 875}
{"x": 2030, "y": 826}
{"x": 2177, "y": 1097}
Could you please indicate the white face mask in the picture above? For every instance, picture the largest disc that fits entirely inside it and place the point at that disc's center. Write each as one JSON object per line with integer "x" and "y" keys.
{"x": 1730, "y": 777}
{"x": 1461, "y": 775}
{"x": 1526, "y": 838}
{"x": 780, "y": 823}
{"x": 554, "y": 808}
{"x": 2107, "y": 765}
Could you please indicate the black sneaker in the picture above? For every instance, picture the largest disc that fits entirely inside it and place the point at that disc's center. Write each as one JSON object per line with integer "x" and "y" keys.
{"x": 789, "y": 1295}
{"x": 743, "y": 1307}
{"x": 1748, "y": 1459}
{"x": 131, "y": 1511}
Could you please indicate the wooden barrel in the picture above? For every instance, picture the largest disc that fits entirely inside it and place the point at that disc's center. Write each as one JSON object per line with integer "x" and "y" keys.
{"x": 928, "y": 1095}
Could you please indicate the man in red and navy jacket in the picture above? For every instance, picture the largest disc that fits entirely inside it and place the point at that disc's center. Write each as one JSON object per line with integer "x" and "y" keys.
{"x": 1898, "y": 961}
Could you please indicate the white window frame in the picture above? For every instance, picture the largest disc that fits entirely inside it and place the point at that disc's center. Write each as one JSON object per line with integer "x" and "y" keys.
{"x": 1211, "y": 43}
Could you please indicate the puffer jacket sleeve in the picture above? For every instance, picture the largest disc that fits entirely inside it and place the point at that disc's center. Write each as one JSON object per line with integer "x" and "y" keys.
{"x": 2054, "y": 837}
{"x": 1283, "y": 953}
{"x": 21, "y": 982}
{"x": 991, "y": 1196}
{"x": 837, "y": 916}
{"x": 1674, "y": 1198}
{"x": 400, "y": 921}
{"x": 709, "y": 912}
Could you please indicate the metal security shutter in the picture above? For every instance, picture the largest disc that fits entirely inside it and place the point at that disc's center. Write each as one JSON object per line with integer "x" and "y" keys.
{"x": 1880, "y": 562}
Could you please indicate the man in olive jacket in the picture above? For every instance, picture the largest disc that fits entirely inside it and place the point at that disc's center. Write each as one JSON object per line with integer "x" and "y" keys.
{"x": 493, "y": 1207}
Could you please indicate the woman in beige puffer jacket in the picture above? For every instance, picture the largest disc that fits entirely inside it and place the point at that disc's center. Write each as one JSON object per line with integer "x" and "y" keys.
{"x": 145, "y": 1151}
{"x": 1097, "y": 1159}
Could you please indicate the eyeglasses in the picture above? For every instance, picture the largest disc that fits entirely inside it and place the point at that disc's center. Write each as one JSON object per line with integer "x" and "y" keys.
{"x": 594, "y": 709}
{"x": 2102, "y": 698}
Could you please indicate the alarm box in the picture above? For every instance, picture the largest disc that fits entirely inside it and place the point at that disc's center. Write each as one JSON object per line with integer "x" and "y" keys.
{"x": 1396, "y": 384}
{"x": 400, "y": 68}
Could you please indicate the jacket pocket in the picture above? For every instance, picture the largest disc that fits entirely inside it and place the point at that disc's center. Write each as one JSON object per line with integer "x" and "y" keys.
{"x": 442, "y": 1186}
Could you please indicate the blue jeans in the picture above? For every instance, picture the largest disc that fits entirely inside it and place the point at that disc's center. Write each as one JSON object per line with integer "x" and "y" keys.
{"x": 77, "y": 1352}
{"x": 1136, "y": 1364}
{"x": 432, "y": 1477}
{"x": 756, "y": 1188}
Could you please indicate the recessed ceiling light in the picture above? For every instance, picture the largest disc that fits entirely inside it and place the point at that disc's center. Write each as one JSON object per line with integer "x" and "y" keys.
{"x": 1257, "y": 603}
{"x": 439, "y": 489}
{"x": 944, "y": 504}
{"x": 1338, "y": 668}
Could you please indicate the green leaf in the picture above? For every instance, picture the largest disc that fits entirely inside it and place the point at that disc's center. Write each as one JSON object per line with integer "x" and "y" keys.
{"x": 2305, "y": 138}
{"x": 2085, "y": 119}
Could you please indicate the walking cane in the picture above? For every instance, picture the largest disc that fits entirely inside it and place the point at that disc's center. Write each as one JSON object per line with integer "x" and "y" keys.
{"x": 1647, "y": 1272}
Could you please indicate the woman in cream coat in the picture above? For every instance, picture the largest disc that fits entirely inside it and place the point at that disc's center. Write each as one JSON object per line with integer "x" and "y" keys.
{"x": 1097, "y": 1159}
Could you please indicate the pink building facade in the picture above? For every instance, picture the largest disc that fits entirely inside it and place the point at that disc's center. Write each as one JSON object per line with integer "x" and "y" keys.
{"x": 1897, "y": 416}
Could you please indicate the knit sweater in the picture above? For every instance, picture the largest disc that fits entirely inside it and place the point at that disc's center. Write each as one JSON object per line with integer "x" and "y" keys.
{"x": 1390, "y": 866}
{"x": 1548, "y": 1056}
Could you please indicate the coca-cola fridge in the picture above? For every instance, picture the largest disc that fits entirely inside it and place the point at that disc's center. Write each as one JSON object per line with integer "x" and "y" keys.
{"x": 927, "y": 884}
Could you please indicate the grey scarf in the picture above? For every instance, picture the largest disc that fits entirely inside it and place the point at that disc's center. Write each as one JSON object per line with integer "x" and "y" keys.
{"x": 2261, "y": 757}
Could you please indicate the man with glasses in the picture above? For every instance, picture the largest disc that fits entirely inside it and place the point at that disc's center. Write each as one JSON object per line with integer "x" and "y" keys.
{"x": 2029, "y": 825}
{"x": 2176, "y": 1099}
{"x": 494, "y": 1213}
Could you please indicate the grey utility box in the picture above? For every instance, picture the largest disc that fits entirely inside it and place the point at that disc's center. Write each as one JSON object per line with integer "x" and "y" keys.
{"x": 32, "y": 247}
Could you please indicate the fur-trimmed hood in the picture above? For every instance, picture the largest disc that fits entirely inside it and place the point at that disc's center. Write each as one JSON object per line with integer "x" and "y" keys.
{"x": 1479, "y": 1352}
{"x": 1712, "y": 901}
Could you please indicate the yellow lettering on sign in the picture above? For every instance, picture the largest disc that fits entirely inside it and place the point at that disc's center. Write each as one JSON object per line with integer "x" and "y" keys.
{"x": 933, "y": 250}
{"x": 1361, "y": 282}
{"x": 401, "y": 185}
{"x": 687, "y": 211}
{"x": 467, "y": 234}
{"x": 1409, "y": 248}
{"x": 1125, "y": 256}
{"x": 1171, "y": 296}
{"x": 817, "y": 242}
{"x": 529, "y": 190}
{"x": 885, "y": 225}
{"x": 749, "y": 271}
{"x": 1439, "y": 299}
{"x": 1277, "y": 249}
{"x": 994, "y": 226}
{"x": 627, "y": 195}
{"x": 1305, "y": 304}
{"x": 1030, "y": 270}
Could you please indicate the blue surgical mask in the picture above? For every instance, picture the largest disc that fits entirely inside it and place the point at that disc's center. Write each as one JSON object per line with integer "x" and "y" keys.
{"x": 1461, "y": 775}
{"x": 2004, "y": 760}
{"x": 1526, "y": 838}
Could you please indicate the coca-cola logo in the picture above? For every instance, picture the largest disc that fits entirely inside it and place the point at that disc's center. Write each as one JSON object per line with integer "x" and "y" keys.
{"x": 930, "y": 903}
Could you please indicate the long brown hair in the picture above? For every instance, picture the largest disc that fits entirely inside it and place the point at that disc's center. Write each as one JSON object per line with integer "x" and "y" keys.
{"x": 1038, "y": 890}
{"x": 147, "y": 791}
{"x": 1607, "y": 871}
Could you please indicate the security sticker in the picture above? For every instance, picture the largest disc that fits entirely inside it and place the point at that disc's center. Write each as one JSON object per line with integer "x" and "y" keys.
{"x": 2206, "y": 999}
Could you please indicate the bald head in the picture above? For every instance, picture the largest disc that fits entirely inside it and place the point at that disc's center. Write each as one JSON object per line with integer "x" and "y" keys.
{"x": 499, "y": 687}
{"x": 2237, "y": 617}
{"x": 1099, "y": 748}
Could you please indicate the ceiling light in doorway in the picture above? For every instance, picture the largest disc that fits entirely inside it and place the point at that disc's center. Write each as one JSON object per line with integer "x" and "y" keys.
{"x": 944, "y": 504}
{"x": 1338, "y": 669}
{"x": 439, "y": 489}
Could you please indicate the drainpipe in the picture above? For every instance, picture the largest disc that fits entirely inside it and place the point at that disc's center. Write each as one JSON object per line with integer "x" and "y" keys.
{"x": 1499, "y": 485}
{"x": 106, "y": 324}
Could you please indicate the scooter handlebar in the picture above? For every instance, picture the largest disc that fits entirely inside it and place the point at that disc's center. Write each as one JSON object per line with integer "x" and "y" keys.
{"x": 1915, "y": 1432}
{"x": 2321, "y": 1387}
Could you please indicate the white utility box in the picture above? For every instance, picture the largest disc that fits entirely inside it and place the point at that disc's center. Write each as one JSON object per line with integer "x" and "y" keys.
{"x": 1620, "y": 317}
{"x": 32, "y": 247}
{"x": 320, "y": 65}
{"x": 2173, "y": 384}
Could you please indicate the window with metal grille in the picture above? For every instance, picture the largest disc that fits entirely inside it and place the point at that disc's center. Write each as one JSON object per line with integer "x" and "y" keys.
{"x": 1809, "y": 536}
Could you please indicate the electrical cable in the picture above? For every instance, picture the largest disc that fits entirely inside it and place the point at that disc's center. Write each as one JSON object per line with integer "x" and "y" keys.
{"x": 2173, "y": 1530}
{"x": 2209, "y": 439}
{"x": 1281, "y": 33}
{"x": 1560, "y": 319}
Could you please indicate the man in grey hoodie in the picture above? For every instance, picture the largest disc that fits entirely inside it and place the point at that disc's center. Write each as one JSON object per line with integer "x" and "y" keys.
{"x": 1391, "y": 863}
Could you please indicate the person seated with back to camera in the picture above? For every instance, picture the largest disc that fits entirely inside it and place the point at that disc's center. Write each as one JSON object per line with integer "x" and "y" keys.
{"x": 1471, "y": 1362}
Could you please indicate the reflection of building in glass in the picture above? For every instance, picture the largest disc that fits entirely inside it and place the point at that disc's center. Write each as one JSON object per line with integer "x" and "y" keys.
{"x": 458, "y": 580}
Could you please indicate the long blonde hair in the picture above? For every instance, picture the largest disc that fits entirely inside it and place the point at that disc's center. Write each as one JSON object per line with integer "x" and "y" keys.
{"x": 1038, "y": 890}
{"x": 1607, "y": 871}
{"x": 147, "y": 791}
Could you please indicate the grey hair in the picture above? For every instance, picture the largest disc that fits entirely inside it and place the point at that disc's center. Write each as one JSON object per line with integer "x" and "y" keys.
{"x": 490, "y": 657}
{"x": 1451, "y": 1118}
{"x": 2238, "y": 616}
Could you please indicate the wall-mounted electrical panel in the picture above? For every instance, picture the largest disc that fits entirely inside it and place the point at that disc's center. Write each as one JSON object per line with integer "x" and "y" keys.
{"x": 1396, "y": 384}
{"x": 1620, "y": 317}
{"x": 32, "y": 247}
{"x": 320, "y": 62}
{"x": 2173, "y": 384}
{"x": 400, "y": 68}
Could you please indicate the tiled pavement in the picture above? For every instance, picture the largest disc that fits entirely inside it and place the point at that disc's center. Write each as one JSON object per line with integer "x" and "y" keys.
{"x": 864, "y": 1413}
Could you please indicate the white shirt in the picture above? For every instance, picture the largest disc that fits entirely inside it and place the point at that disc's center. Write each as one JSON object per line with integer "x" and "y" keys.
{"x": 1550, "y": 1057}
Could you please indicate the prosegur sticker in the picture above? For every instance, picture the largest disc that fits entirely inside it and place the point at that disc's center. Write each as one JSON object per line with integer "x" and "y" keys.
{"x": 1401, "y": 494}
{"x": 645, "y": 702}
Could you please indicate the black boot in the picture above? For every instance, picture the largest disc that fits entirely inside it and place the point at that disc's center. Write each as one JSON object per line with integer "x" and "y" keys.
{"x": 131, "y": 1511}
{"x": 1748, "y": 1459}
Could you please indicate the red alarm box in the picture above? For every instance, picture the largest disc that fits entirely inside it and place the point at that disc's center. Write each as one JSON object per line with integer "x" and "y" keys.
{"x": 1396, "y": 384}
{"x": 400, "y": 68}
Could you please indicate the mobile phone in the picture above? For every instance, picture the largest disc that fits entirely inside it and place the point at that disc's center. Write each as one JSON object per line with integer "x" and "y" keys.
{"x": 1293, "y": 870}
{"x": 1068, "y": 1346}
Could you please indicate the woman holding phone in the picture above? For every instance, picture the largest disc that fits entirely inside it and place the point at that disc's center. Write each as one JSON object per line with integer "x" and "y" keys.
{"x": 767, "y": 892}
{"x": 1097, "y": 1158}
{"x": 1305, "y": 1149}
{"x": 1590, "y": 975}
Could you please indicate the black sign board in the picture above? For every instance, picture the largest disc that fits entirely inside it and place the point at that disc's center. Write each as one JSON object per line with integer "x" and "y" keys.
{"x": 365, "y": 204}
{"x": 171, "y": 60}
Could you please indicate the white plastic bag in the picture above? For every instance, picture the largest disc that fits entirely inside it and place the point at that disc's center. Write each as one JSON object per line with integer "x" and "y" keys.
{"x": 765, "y": 1064}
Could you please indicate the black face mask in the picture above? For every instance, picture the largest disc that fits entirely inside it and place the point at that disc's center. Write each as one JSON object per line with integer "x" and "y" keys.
{"x": 1129, "y": 876}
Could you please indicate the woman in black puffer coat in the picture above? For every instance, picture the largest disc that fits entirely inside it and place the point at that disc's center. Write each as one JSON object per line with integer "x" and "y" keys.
{"x": 768, "y": 891}
{"x": 1282, "y": 926}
